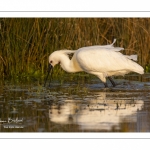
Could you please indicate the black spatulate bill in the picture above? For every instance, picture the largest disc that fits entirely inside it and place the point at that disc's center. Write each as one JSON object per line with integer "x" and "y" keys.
{"x": 50, "y": 67}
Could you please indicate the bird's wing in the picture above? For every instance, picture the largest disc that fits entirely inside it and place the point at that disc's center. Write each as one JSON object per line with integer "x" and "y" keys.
{"x": 106, "y": 47}
{"x": 101, "y": 60}
{"x": 99, "y": 47}
{"x": 133, "y": 57}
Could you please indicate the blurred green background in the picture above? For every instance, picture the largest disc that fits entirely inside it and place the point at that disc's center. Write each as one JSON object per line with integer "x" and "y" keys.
{"x": 26, "y": 43}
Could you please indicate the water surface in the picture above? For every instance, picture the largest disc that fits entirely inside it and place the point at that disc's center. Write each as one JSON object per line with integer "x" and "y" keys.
{"x": 77, "y": 107}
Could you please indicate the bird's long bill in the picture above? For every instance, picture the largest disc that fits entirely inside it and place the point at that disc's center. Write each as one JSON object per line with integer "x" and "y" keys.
{"x": 50, "y": 67}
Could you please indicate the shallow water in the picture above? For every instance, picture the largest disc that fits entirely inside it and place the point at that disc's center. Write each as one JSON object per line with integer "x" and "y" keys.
{"x": 74, "y": 107}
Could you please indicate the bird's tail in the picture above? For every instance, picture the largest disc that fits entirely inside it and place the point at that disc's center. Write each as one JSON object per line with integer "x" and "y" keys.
{"x": 140, "y": 70}
{"x": 137, "y": 68}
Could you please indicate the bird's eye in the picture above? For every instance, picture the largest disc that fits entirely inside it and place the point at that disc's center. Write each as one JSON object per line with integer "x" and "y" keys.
{"x": 51, "y": 61}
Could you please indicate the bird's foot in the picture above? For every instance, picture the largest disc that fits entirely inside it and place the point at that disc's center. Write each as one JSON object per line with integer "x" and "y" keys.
{"x": 106, "y": 85}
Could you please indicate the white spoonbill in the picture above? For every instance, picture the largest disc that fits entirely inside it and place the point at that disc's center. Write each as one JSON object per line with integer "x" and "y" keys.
{"x": 102, "y": 61}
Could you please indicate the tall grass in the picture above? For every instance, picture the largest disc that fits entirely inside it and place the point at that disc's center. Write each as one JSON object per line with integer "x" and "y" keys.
{"x": 25, "y": 43}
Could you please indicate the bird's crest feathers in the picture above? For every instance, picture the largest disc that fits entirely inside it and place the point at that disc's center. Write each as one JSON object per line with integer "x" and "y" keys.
{"x": 67, "y": 51}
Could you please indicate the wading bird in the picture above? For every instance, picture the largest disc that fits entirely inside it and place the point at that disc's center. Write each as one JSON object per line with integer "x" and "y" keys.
{"x": 102, "y": 61}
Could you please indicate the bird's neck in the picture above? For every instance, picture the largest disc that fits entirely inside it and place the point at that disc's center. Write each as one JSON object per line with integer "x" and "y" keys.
{"x": 69, "y": 65}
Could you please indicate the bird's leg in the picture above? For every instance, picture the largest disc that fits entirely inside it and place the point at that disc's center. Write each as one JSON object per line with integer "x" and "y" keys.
{"x": 103, "y": 79}
{"x": 106, "y": 85}
{"x": 112, "y": 82}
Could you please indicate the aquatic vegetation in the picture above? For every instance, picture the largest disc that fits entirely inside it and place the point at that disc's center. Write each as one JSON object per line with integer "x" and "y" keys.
{"x": 147, "y": 68}
{"x": 75, "y": 107}
{"x": 26, "y": 43}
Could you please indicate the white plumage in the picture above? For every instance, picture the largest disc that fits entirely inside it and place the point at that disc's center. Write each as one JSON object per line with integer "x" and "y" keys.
{"x": 102, "y": 61}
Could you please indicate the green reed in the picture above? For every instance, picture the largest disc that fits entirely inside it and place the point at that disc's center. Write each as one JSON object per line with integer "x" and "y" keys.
{"x": 25, "y": 43}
